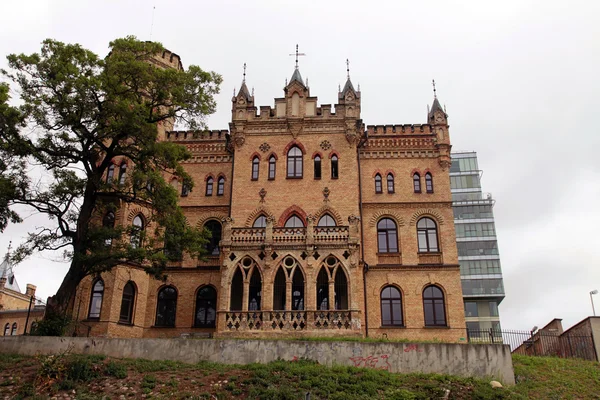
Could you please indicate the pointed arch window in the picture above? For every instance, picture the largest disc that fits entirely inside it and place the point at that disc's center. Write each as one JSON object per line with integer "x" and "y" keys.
{"x": 209, "y": 186}
{"x": 214, "y": 227}
{"x": 220, "y": 186}
{"x": 323, "y": 290}
{"x": 237, "y": 290}
{"x": 294, "y": 163}
{"x": 427, "y": 236}
{"x": 294, "y": 222}
{"x": 255, "y": 291}
{"x": 110, "y": 175}
{"x": 127, "y": 303}
{"x": 378, "y": 188}
{"x": 417, "y": 183}
{"x": 326, "y": 220}
{"x": 387, "y": 236}
{"x": 334, "y": 167}
{"x": 122, "y": 173}
{"x": 13, "y": 332}
{"x": 255, "y": 165}
{"x": 108, "y": 222}
{"x": 434, "y": 306}
{"x": 96, "y": 299}
{"x": 206, "y": 308}
{"x": 279, "y": 290}
{"x": 317, "y": 166}
{"x": 341, "y": 290}
{"x": 166, "y": 307}
{"x": 390, "y": 183}
{"x": 6, "y": 329}
{"x": 391, "y": 307}
{"x": 260, "y": 222}
{"x": 428, "y": 183}
{"x": 298, "y": 290}
{"x": 272, "y": 165}
{"x": 136, "y": 231}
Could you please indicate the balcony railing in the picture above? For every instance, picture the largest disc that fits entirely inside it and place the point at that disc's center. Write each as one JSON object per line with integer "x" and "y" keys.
{"x": 288, "y": 320}
{"x": 247, "y": 235}
{"x": 320, "y": 235}
{"x": 289, "y": 235}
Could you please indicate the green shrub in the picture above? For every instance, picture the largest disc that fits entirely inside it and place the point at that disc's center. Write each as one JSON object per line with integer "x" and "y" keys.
{"x": 81, "y": 369}
{"x": 148, "y": 382}
{"x": 117, "y": 370}
{"x": 55, "y": 325}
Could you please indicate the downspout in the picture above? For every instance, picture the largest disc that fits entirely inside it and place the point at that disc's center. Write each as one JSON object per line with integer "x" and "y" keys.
{"x": 362, "y": 241}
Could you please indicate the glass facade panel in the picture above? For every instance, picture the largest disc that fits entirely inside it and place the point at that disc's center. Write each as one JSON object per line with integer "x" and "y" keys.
{"x": 482, "y": 229}
{"x": 471, "y": 309}
{"x": 465, "y": 182}
{"x": 493, "y": 309}
{"x": 472, "y": 212}
{"x": 480, "y": 248}
{"x": 480, "y": 267}
{"x": 482, "y": 287}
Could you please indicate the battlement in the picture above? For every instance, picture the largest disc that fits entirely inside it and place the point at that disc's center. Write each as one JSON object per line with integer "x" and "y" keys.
{"x": 418, "y": 129}
{"x": 195, "y": 136}
{"x": 168, "y": 59}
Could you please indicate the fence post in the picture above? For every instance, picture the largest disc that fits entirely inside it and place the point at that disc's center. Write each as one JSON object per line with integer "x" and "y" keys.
{"x": 492, "y": 335}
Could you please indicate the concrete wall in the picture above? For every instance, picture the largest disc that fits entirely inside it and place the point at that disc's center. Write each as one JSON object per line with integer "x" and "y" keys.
{"x": 456, "y": 359}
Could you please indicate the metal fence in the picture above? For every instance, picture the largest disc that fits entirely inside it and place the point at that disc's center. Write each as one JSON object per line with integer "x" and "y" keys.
{"x": 540, "y": 343}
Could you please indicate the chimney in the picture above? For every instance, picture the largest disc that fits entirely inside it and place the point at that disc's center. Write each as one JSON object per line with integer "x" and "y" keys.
{"x": 30, "y": 291}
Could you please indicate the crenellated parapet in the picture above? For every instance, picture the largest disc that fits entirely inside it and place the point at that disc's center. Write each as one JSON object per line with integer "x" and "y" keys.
{"x": 197, "y": 136}
{"x": 168, "y": 59}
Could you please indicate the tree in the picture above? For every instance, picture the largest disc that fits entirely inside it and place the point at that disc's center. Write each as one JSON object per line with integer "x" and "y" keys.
{"x": 84, "y": 112}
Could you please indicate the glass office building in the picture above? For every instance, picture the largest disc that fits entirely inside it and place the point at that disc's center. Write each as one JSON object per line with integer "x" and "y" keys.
{"x": 478, "y": 255}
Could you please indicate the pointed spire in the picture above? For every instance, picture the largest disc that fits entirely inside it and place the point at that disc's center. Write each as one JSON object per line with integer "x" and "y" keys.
{"x": 297, "y": 77}
{"x": 436, "y": 103}
{"x": 244, "y": 89}
{"x": 348, "y": 86}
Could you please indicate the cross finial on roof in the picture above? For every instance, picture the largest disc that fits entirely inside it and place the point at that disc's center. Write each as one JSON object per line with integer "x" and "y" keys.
{"x": 297, "y": 54}
{"x": 244, "y": 79}
{"x": 434, "y": 91}
{"x": 348, "y": 68}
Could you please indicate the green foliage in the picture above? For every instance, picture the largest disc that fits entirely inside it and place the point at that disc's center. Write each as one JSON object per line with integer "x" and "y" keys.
{"x": 53, "y": 325}
{"x": 117, "y": 370}
{"x": 148, "y": 382}
{"x": 82, "y": 369}
{"x": 52, "y": 368}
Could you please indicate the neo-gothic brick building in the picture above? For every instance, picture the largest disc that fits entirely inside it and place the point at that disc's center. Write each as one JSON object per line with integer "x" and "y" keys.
{"x": 321, "y": 227}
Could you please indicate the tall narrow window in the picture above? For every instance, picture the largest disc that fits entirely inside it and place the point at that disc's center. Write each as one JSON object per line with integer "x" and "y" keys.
{"x": 110, "y": 175}
{"x": 209, "y": 186}
{"x": 334, "y": 167}
{"x": 326, "y": 220}
{"x": 206, "y": 308}
{"x": 317, "y": 164}
{"x": 433, "y": 306}
{"x": 323, "y": 290}
{"x": 298, "y": 290}
{"x": 341, "y": 290}
{"x": 255, "y": 165}
{"x": 254, "y": 291}
{"x": 272, "y": 167}
{"x": 428, "y": 183}
{"x": 390, "y": 183}
{"x": 237, "y": 291}
{"x": 13, "y": 332}
{"x": 391, "y": 307}
{"x": 378, "y": 188}
{"x": 96, "y": 299}
{"x": 417, "y": 183}
{"x": 136, "y": 231}
{"x": 6, "y": 329}
{"x": 294, "y": 222}
{"x": 214, "y": 227}
{"x": 427, "y": 236}
{"x": 108, "y": 222}
{"x": 387, "y": 236}
{"x": 220, "y": 186}
{"x": 294, "y": 163}
{"x": 122, "y": 173}
{"x": 166, "y": 307}
{"x": 260, "y": 222}
{"x": 185, "y": 190}
{"x": 279, "y": 290}
{"x": 127, "y": 303}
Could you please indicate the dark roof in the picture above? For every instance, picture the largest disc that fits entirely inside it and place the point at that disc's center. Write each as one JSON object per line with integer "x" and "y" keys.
{"x": 436, "y": 106}
{"x": 347, "y": 87}
{"x": 297, "y": 77}
{"x": 244, "y": 92}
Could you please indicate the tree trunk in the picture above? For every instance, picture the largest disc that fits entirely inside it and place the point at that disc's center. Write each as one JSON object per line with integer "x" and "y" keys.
{"x": 61, "y": 304}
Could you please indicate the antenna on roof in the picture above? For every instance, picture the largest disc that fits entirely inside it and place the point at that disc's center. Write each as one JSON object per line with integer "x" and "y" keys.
{"x": 434, "y": 91}
{"x": 152, "y": 23}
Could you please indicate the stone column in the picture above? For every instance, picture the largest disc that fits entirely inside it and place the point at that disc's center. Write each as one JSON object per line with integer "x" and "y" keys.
{"x": 332, "y": 294}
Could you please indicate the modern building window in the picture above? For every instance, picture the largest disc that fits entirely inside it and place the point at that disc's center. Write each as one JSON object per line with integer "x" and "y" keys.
{"x": 471, "y": 309}
{"x": 294, "y": 163}
{"x": 387, "y": 236}
{"x": 6, "y": 329}
{"x": 482, "y": 287}
{"x": 110, "y": 175}
{"x": 493, "y": 309}
{"x": 341, "y": 290}
{"x": 391, "y": 307}
{"x": 427, "y": 236}
{"x": 473, "y": 330}
{"x": 378, "y": 188}
{"x": 209, "y": 186}
{"x": 478, "y": 248}
{"x": 127, "y": 303}
{"x": 206, "y": 307}
{"x": 473, "y": 212}
{"x": 136, "y": 231}
{"x": 214, "y": 227}
{"x": 326, "y": 220}
{"x": 220, "y": 186}
{"x": 13, "y": 332}
{"x": 417, "y": 183}
{"x": 260, "y": 222}
{"x": 480, "y": 267}
{"x": 334, "y": 167}
{"x": 255, "y": 291}
{"x": 433, "y": 306}
{"x": 255, "y": 165}
{"x": 108, "y": 222}
{"x": 122, "y": 174}
{"x": 294, "y": 222}
{"x": 96, "y": 299}
{"x": 465, "y": 182}
{"x": 428, "y": 183}
{"x": 166, "y": 307}
{"x": 323, "y": 290}
{"x": 237, "y": 291}
{"x": 317, "y": 165}
{"x": 272, "y": 165}
{"x": 390, "y": 183}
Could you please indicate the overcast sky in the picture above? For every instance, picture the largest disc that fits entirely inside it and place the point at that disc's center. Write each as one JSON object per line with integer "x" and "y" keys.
{"x": 519, "y": 79}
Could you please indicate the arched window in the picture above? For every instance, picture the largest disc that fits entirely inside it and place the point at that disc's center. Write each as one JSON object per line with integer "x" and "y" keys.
{"x": 326, "y": 220}
{"x": 428, "y": 183}
{"x": 96, "y": 299}
{"x": 6, "y": 329}
{"x": 298, "y": 290}
{"x": 166, "y": 307}
{"x": 108, "y": 222}
{"x": 341, "y": 290}
{"x": 294, "y": 222}
{"x": 390, "y": 183}
{"x": 391, "y": 307}
{"x": 272, "y": 167}
{"x": 387, "y": 236}
{"x": 127, "y": 303}
{"x": 334, "y": 167}
{"x": 427, "y": 236}
{"x": 206, "y": 307}
{"x": 417, "y": 183}
{"x": 209, "y": 186}
{"x": 13, "y": 332}
{"x": 122, "y": 173}
{"x": 317, "y": 165}
{"x": 294, "y": 163}
{"x": 110, "y": 175}
{"x": 433, "y": 306}
{"x": 237, "y": 291}
{"x": 220, "y": 186}
{"x": 378, "y": 188}
{"x": 254, "y": 291}
{"x": 214, "y": 227}
{"x": 323, "y": 290}
{"x": 279, "y": 290}
{"x": 255, "y": 165}
{"x": 185, "y": 190}
{"x": 260, "y": 222}
{"x": 136, "y": 231}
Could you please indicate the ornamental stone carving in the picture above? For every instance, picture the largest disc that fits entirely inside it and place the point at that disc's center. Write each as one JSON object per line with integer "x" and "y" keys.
{"x": 265, "y": 147}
